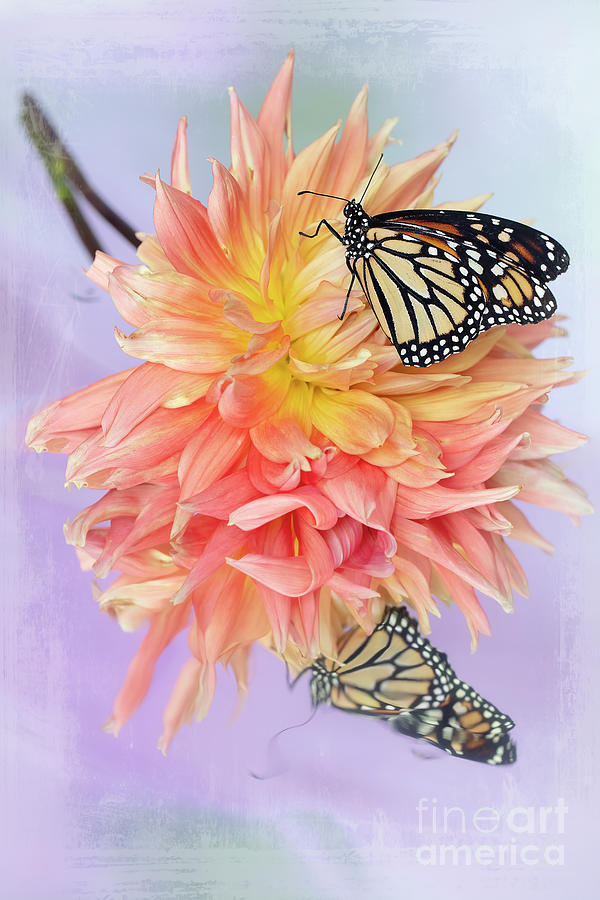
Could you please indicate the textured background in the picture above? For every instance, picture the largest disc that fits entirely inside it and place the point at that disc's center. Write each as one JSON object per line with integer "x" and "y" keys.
{"x": 84, "y": 815}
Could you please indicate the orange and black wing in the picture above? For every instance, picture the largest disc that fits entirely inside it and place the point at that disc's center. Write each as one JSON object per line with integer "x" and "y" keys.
{"x": 396, "y": 674}
{"x": 437, "y": 278}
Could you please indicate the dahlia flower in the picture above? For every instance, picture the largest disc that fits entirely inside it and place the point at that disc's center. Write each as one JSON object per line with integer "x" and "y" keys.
{"x": 272, "y": 473}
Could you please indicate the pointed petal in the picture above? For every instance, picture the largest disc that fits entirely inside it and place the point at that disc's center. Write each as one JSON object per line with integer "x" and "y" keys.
{"x": 184, "y": 232}
{"x": 275, "y": 122}
{"x": 164, "y": 626}
{"x": 146, "y": 388}
{"x": 67, "y": 423}
{"x": 180, "y": 176}
{"x": 187, "y": 345}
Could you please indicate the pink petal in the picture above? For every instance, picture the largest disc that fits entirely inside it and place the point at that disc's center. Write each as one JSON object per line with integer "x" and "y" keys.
{"x": 424, "y": 467}
{"x": 222, "y": 497}
{"x": 141, "y": 295}
{"x": 224, "y": 540}
{"x": 487, "y": 462}
{"x": 522, "y": 530}
{"x": 305, "y": 623}
{"x": 286, "y": 575}
{"x": 531, "y": 372}
{"x": 366, "y": 494}
{"x": 164, "y": 626}
{"x": 343, "y": 539}
{"x": 411, "y": 580}
{"x": 283, "y": 440}
{"x": 465, "y": 598}
{"x": 400, "y": 445}
{"x": 250, "y": 163}
{"x": 209, "y": 455}
{"x": 348, "y": 162}
{"x": 152, "y": 254}
{"x": 274, "y": 120}
{"x": 228, "y": 215}
{"x": 278, "y": 608}
{"x": 394, "y": 384}
{"x": 313, "y": 547}
{"x": 180, "y": 176}
{"x": 427, "y": 541}
{"x": 531, "y": 336}
{"x": 480, "y": 549}
{"x": 545, "y": 484}
{"x": 323, "y": 514}
{"x": 321, "y": 309}
{"x": 188, "y": 345}
{"x": 239, "y": 311}
{"x": 67, "y": 423}
{"x": 545, "y": 437}
{"x": 147, "y": 388}
{"x": 183, "y": 229}
{"x": 193, "y": 693}
{"x": 101, "y": 268}
{"x": 354, "y": 595}
{"x": 250, "y": 399}
{"x": 309, "y": 170}
{"x": 161, "y": 435}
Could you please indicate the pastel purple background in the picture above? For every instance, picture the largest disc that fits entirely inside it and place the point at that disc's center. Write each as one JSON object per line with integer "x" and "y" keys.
{"x": 84, "y": 815}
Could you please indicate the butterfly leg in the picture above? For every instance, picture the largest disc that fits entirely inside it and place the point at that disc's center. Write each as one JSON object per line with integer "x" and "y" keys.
{"x": 327, "y": 225}
{"x": 341, "y": 318}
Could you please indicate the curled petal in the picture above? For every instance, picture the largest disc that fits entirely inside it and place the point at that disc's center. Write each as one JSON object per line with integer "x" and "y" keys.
{"x": 258, "y": 512}
{"x": 250, "y": 399}
{"x": 222, "y": 497}
{"x": 368, "y": 495}
{"x": 355, "y": 421}
{"x": 101, "y": 268}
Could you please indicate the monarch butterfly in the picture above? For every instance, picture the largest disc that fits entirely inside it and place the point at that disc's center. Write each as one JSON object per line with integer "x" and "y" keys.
{"x": 437, "y": 278}
{"x": 397, "y": 675}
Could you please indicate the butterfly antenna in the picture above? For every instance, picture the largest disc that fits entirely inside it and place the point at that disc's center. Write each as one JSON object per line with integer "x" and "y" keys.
{"x": 370, "y": 179}
{"x": 316, "y": 194}
{"x": 271, "y": 746}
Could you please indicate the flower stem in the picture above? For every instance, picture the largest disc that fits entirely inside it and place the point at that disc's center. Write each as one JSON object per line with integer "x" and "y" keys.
{"x": 67, "y": 178}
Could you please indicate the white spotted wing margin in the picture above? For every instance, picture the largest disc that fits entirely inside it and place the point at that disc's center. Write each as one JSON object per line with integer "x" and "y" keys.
{"x": 395, "y": 674}
{"x": 436, "y": 279}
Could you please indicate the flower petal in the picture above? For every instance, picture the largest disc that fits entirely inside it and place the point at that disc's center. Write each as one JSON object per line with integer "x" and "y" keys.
{"x": 354, "y": 420}
{"x": 164, "y": 626}
{"x": 184, "y": 232}
{"x": 180, "y": 176}
{"x": 67, "y": 423}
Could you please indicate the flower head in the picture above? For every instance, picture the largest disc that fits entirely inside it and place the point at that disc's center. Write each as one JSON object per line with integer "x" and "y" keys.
{"x": 272, "y": 473}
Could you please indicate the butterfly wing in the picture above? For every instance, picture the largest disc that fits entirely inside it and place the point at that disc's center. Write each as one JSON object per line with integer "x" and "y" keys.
{"x": 436, "y": 279}
{"x": 396, "y": 674}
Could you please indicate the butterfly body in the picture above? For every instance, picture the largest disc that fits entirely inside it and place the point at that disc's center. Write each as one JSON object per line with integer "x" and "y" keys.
{"x": 395, "y": 674}
{"x": 437, "y": 278}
